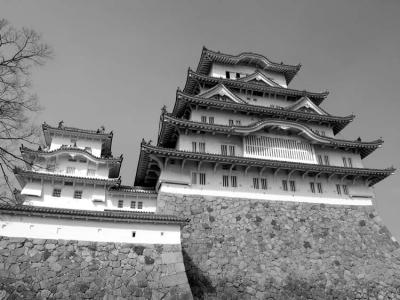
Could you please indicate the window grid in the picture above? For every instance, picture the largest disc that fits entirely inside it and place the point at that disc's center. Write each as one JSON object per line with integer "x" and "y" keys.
{"x": 140, "y": 205}
{"x": 225, "y": 180}
{"x": 56, "y": 192}
{"x": 78, "y": 194}
{"x": 133, "y": 204}
{"x": 120, "y": 203}
{"x": 211, "y": 120}
{"x": 203, "y": 119}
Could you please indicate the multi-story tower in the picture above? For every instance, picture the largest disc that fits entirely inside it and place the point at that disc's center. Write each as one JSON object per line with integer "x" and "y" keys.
{"x": 75, "y": 176}
{"x": 237, "y": 130}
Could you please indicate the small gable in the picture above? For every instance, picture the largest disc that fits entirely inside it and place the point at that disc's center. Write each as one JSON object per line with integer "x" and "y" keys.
{"x": 259, "y": 77}
{"x": 306, "y": 105}
{"x": 220, "y": 92}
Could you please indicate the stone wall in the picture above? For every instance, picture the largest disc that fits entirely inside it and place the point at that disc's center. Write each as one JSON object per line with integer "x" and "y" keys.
{"x": 58, "y": 269}
{"x": 245, "y": 249}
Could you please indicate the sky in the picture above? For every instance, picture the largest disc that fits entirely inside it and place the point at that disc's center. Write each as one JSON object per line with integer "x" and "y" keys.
{"x": 116, "y": 63}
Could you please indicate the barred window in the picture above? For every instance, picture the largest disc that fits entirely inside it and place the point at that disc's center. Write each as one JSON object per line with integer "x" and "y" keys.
{"x": 344, "y": 161}
{"x": 238, "y": 123}
{"x": 78, "y": 194}
{"x": 327, "y": 160}
{"x": 319, "y": 187}
{"x": 194, "y": 178}
{"x": 231, "y": 150}
{"x": 292, "y": 185}
{"x": 264, "y": 183}
{"x": 140, "y": 205}
{"x": 202, "y": 178}
{"x": 320, "y": 160}
{"x": 338, "y": 190}
{"x": 70, "y": 170}
{"x": 345, "y": 189}
{"x": 230, "y": 122}
{"x": 56, "y": 192}
{"x": 312, "y": 187}
{"x": 284, "y": 185}
{"x": 91, "y": 172}
{"x": 233, "y": 181}
{"x": 194, "y": 147}
{"x": 211, "y": 120}
{"x": 224, "y": 149}
{"x": 350, "y": 162}
{"x": 133, "y": 204}
{"x": 225, "y": 180}
{"x": 204, "y": 119}
{"x": 256, "y": 183}
{"x": 120, "y": 203}
{"x": 202, "y": 147}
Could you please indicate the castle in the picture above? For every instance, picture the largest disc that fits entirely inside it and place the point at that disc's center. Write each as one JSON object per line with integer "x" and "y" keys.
{"x": 247, "y": 194}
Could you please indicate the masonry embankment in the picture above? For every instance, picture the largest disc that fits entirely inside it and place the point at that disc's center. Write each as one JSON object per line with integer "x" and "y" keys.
{"x": 246, "y": 249}
{"x": 61, "y": 269}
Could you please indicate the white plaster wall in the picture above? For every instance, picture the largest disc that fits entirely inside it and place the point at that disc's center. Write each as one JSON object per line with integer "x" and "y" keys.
{"x": 57, "y": 141}
{"x": 336, "y": 155}
{"x": 245, "y": 183}
{"x": 97, "y": 231}
{"x": 149, "y": 203}
{"x": 81, "y": 168}
{"x": 213, "y": 143}
{"x": 67, "y": 199}
{"x": 218, "y": 70}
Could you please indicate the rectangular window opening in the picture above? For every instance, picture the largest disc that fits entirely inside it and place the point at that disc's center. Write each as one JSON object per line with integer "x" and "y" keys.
{"x": 319, "y": 187}
{"x": 292, "y": 185}
{"x": 256, "y": 183}
{"x": 233, "y": 181}
{"x": 312, "y": 187}
{"x": 140, "y": 205}
{"x": 78, "y": 194}
{"x": 264, "y": 183}
{"x": 225, "y": 180}
{"x": 338, "y": 190}
{"x": 56, "y": 192}
{"x": 284, "y": 185}
{"x": 202, "y": 178}
{"x": 120, "y": 203}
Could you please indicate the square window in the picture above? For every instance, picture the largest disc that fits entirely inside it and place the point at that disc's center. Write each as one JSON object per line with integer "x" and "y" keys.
{"x": 133, "y": 204}
{"x": 78, "y": 194}
{"x": 56, "y": 192}
{"x": 120, "y": 203}
{"x": 140, "y": 205}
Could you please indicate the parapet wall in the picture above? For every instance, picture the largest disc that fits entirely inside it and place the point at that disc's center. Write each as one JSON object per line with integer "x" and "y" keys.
{"x": 61, "y": 269}
{"x": 253, "y": 249}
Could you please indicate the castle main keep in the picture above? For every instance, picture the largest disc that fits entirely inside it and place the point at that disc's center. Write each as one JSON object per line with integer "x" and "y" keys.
{"x": 247, "y": 193}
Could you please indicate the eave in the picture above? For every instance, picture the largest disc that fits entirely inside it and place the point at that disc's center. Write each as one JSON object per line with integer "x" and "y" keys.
{"x": 193, "y": 79}
{"x": 90, "y": 215}
{"x": 140, "y": 190}
{"x": 170, "y": 123}
{"x": 149, "y": 153}
{"x": 183, "y": 100}
{"x": 70, "y": 150}
{"x": 22, "y": 175}
{"x": 208, "y": 57}
{"x": 84, "y": 133}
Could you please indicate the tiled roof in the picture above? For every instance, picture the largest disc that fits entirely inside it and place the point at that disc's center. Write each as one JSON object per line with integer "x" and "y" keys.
{"x": 193, "y": 79}
{"x": 133, "y": 189}
{"x": 75, "y": 214}
{"x": 33, "y": 174}
{"x": 71, "y": 149}
{"x": 46, "y": 126}
{"x": 247, "y": 58}
{"x": 165, "y": 132}
{"x": 182, "y": 99}
{"x": 375, "y": 175}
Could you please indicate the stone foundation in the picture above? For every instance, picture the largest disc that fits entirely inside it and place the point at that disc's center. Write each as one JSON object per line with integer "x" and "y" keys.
{"x": 58, "y": 269}
{"x": 245, "y": 249}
